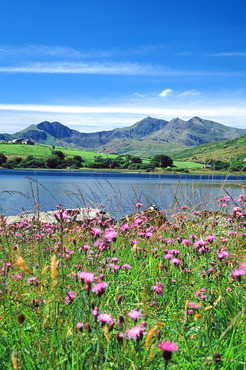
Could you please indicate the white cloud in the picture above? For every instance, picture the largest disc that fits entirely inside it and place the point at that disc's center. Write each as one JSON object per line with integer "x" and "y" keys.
{"x": 88, "y": 118}
{"x": 51, "y": 51}
{"x": 109, "y": 69}
{"x": 230, "y": 54}
{"x": 138, "y": 95}
{"x": 165, "y": 92}
{"x": 190, "y": 92}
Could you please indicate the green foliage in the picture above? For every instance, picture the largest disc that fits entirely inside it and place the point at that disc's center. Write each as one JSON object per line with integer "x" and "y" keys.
{"x": 161, "y": 160}
{"x": 3, "y": 159}
{"x": 200, "y": 306}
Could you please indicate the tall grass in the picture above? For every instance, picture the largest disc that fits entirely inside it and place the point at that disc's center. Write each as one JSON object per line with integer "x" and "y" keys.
{"x": 140, "y": 294}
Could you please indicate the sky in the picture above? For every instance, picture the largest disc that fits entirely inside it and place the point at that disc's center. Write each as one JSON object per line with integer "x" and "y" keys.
{"x": 100, "y": 64}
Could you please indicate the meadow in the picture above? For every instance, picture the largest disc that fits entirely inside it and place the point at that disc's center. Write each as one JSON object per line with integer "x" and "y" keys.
{"x": 148, "y": 292}
{"x": 43, "y": 151}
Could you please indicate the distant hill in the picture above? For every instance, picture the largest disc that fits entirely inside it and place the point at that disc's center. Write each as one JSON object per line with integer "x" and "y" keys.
{"x": 228, "y": 150}
{"x": 147, "y": 137}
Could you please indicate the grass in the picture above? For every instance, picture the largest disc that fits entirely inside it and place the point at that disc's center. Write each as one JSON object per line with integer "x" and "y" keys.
{"x": 17, "y": 150}
{"x": 99, "y": 295}
{"x": 41, "y": 151}
{"x": 227, "y": 150}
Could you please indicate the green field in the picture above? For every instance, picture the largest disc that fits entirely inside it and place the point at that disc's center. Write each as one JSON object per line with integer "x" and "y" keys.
{"x": 18, "y": 150}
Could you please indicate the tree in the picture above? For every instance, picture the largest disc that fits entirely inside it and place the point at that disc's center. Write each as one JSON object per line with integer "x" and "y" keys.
{"x": 3, "y": 159}
{"x": 161, "y": 160}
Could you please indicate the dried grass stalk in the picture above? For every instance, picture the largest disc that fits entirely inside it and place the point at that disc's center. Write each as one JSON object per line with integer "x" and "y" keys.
{"x": 22, "y": 264}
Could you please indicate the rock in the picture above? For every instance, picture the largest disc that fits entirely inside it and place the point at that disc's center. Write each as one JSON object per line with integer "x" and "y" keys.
{"x": 78, "y": 215}
{"x": 151, "y": 216}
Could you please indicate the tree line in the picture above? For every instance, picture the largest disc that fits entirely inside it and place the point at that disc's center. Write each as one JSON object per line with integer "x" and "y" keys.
{"x": 58, "y": 160}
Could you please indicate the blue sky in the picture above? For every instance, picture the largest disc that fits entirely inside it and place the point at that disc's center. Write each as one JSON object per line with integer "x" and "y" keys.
{"x": 100, "y": 64}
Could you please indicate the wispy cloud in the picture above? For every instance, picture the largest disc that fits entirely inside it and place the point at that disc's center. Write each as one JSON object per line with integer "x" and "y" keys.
{"x": 109, "y": 69}
{"x": 190, "y": 92}
{"x": 52, "y": 51}
{"x": 85, "y": 68}
{"x": 230, "y": 54}
{"x": 165, "y": 92}
{"x": 95, "y": 118}
{"x": 140, "y": 109}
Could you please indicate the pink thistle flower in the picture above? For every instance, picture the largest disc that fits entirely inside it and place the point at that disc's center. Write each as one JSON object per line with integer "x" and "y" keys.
{"x": 86, "y": 277}
{"x": 138, "y": 205}
{"x": 167, "y": 349}
{"x": 175, "y": 261}
{"x": 110, "y": 236}
{"x": 70, "y": 297}
{"x": 100, "y": 288}
{"x": 236, "y": 274}
{"x": 158, "y": 288}
{"x": 136, "y": 333}
{"x": 168, "y": 256}
{"x": 135, "y": 314}
{"x": 104, "y": 318}
{"x": 80, "y": 326}
{"x": 126, "y": 266}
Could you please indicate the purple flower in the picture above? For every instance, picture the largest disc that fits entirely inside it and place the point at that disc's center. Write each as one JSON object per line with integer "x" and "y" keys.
{"x": 110, "y": 235}
{"x": 80, "y": 326}
{"x": 135, "y": 314}
{"x": 100, "y": 288}
{"x": 104, "y": 318}
{"x": 167, "y": 349}
{"x": 86, "y": 277}
{"x": 175, "y": 261}
{"x": 126, "y": 266}
{"x": 136, "y": 333}
{"x": 158, "y": 288}
{"x": 138, "y": 205}
{"x": 70, "y": 296}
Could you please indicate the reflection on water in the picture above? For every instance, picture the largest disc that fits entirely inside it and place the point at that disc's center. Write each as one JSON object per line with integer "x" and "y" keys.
{"x": 115, "y": 192}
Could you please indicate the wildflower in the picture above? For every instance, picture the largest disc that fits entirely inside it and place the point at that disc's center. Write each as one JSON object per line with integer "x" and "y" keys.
{"x": 223, "y": 255}
{"x": 135, "y": 314}
{"x": 158, "y": 288}
{"x": 80, "y": 326}
{"x": 100, "y": 288}
{"x": 126, "y": 266}
{"x": 138, "y": 205}
{"x": 167, "y": 349}
{"x": 175, "y": 261}
{"x": 86, "y": 277}
{"x": 168, "y": 256}
{"x": 210, "y": 238}
{"x": 242, "y": 198}
{"x": 119, "y": 337}
{"x": 186, "y": 242}
{"x": 95, "y": 313}
{"x": 136, "y": 333}
{"x": 110, "y": 236}
{"x": 70, "y": 296}
{"x": 119, "y": 299}
{"x": 104, "y": 319}
{"x": 236, "y": 274}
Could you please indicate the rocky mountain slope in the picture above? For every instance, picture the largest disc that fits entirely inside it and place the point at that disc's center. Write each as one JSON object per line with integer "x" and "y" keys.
{"x": 147, "y": 137}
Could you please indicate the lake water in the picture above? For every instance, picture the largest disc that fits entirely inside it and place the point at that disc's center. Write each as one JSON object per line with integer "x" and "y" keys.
{"x": 22, "y": 190}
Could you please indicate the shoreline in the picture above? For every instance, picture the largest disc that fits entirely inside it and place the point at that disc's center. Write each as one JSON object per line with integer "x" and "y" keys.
{"x": 194, "y": 174}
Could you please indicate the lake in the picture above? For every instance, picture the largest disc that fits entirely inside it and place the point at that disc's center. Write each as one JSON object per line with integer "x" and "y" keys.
{"x": 24, "y": 190}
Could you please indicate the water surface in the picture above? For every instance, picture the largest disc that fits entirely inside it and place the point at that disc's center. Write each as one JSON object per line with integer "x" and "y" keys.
{"x": 23, "y": 190}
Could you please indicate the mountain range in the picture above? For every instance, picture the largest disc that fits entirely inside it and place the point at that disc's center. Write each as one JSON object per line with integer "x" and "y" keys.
{"x": 147, "y": 137}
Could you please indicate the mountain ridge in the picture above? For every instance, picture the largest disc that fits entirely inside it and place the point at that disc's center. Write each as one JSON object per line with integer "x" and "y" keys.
{"x": 148, "y": 136}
